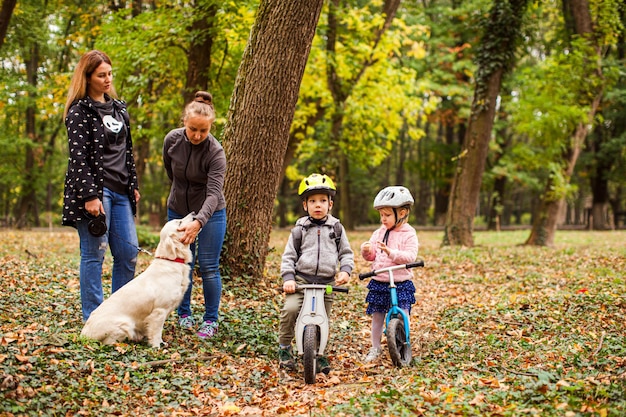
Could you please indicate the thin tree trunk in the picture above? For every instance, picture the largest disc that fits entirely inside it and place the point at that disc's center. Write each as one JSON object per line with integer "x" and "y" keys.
{"x": 5, "y": 18}
{"x": 199, "y": 54}
{"x": 341, "y": 90}
{"x": 28, "y": 196}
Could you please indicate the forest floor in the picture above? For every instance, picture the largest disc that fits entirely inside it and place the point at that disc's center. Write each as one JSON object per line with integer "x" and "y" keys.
{"x": 500, "y": 329}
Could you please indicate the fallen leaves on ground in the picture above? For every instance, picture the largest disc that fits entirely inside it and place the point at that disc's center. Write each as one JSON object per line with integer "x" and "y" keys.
{"x": 499, "y": 329}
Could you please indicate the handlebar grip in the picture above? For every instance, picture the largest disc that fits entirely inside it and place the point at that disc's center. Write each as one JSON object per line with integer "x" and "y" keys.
{"x": 366, "y": 275}
{"x": 340, "y": 289}
{"x": 414, "y": 264}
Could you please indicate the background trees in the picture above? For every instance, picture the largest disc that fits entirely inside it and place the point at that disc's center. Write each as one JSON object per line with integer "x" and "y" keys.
{"x": 385, "y": 98}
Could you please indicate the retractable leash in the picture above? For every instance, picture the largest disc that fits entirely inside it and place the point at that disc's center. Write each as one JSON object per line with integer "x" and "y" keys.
{"x": 139, "y": 248}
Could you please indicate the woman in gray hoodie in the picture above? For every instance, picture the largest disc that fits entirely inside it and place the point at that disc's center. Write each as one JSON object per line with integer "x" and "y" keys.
{"x": 196, "y": 165}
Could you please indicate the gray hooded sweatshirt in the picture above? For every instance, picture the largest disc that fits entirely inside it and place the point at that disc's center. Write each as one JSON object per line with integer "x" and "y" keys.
{"x": 320, "y": 256}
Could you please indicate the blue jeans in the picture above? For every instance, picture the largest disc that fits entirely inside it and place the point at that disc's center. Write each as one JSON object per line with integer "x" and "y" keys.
{"x": 209, "y": 246}
{"x": 121, "y": 236}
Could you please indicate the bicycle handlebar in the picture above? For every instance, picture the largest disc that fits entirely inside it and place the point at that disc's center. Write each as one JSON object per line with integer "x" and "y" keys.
{"x": 391, "y": 268}
{"x": 301, "y": 287}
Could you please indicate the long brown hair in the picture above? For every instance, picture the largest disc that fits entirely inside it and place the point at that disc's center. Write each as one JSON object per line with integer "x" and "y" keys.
{"x": 86, "y": 66}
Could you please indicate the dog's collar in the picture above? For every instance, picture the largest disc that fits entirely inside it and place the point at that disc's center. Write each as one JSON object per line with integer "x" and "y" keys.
{"x": 179, "y": 260}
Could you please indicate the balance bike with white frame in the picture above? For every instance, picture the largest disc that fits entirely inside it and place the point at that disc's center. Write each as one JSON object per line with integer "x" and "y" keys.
{"x": 312, "y": 326}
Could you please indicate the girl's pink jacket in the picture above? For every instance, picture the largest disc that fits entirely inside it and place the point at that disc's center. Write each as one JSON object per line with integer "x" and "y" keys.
{"x": 403, "y": 246}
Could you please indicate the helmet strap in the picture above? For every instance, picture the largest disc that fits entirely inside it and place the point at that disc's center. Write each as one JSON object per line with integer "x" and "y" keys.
{"x": 402, "y": 219}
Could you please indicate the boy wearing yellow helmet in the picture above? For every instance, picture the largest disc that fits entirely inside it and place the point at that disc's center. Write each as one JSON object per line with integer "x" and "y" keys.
{"x": 312, "y": 258}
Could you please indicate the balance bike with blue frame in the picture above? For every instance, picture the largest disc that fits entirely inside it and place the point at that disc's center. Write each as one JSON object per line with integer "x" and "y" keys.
{"x": 396, "y": 320}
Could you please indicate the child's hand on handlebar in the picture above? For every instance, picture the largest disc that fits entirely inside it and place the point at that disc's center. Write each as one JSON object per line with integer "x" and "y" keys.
{"x": 289, "y": 287}
{"x": 342, "y": 278}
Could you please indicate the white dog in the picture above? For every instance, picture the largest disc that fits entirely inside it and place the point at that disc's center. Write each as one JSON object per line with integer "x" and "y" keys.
{"x": 139, "y": 308}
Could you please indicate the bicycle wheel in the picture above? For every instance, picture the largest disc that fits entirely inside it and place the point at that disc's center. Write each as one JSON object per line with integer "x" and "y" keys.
{"x": 310, "y": 347}
{"x": 399, "y": 349}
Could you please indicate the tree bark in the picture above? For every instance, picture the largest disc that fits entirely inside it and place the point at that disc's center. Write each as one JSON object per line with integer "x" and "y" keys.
{"x": 199, "y": 54}
{"x": 28, "y": 196}
{"x": 5, "y": 18}
{"x": 546, "y": 221}
{"x": 471, "y": 166}
{"x": 599, "y": 182}
{"x": 257, "y": 129}
{"x": 495, "y": 57}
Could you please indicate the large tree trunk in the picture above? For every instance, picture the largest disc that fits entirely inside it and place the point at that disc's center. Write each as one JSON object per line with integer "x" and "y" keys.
{"x": 495, "y": 58}
{"x": 546, "y": 221}
{"x": 257, "y": 130}
{"x": 471, "y": 166}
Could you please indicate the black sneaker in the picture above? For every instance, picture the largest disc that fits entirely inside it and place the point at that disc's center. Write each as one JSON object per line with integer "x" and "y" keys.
{"x": 323, "y": 365}
{"x": 285, "y": 359}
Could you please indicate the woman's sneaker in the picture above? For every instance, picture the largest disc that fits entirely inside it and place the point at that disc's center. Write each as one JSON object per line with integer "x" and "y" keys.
{"x": 207, "y": 329}
{"x": 186, "y": 322}
{"x": 285, "y": 358}
{"x": 373, "y": 354}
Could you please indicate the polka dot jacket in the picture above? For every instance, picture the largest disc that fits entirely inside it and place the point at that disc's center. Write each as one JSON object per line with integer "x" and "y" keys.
{"x": 84, "y": 178}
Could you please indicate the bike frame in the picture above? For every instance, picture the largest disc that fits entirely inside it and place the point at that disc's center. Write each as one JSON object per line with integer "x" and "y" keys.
{"x": 313, "y": 311}
{"x": 394, "y": 310}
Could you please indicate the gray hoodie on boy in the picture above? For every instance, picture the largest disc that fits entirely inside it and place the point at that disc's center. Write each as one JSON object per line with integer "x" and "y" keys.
{"x": 320, "y": 255}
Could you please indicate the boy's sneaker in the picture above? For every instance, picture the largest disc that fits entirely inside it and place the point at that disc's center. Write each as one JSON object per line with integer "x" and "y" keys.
{"x": 207, "y": 329}
{"x": 373, "y": 354}
{"x": 323, "y": 365}
{"x": 285, "y": 358}
{"x": 186, "y": 322}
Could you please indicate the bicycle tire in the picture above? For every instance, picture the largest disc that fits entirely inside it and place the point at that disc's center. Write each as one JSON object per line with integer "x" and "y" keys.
{"x": 309, "y": 358}
{"x": 399, "y": 349}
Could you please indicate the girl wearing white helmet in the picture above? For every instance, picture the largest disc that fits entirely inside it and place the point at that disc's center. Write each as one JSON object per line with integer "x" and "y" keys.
{"x": 394, "y": 243}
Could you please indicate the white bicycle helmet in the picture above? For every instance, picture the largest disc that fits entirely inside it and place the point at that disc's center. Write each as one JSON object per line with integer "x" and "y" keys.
{"x": 394, "y": 196}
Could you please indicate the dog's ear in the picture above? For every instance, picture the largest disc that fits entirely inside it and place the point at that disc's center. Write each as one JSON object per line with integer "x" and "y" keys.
{"x": 179, "y": 249}
{"x": 170, "y": 246}
{"x": 167, "y": 246}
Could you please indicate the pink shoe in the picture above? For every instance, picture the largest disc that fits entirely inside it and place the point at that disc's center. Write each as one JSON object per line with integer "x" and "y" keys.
{"x": 207, "y": 329}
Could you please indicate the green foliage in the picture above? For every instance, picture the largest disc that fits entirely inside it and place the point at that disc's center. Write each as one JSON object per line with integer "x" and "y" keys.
{"x": 501, "y": 36}
{"x": 148, "y": 239}
{"x": 417, "y": 86}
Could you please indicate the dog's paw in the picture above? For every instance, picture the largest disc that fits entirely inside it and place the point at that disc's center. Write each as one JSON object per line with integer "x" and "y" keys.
{"x": 158, "y": 344}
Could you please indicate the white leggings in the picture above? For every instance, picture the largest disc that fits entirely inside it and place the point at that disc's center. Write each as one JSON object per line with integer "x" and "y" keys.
{"x": 378, "y": 322}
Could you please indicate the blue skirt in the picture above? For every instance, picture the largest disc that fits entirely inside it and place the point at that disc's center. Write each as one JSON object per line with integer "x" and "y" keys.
{"x": 379, "y": 296}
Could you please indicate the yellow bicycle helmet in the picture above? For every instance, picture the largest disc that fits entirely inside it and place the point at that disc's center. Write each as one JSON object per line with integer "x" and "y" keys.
{"x": 316, "y": 184}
